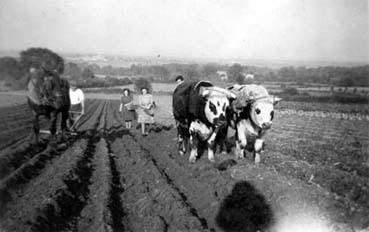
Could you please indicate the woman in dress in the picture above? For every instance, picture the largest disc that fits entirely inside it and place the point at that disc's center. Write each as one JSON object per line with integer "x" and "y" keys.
{"x": 127, "y": 108}
{"x": 145, "y": 110}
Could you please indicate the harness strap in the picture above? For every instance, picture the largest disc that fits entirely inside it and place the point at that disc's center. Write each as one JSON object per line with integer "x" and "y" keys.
{"x": 253, "y": 100}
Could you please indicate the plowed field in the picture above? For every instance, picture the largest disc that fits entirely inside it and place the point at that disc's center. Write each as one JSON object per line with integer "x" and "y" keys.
{"x": 314, "y": 176}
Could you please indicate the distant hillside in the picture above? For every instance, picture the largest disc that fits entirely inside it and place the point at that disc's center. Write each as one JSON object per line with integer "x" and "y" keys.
{"x": 127, "y": 61}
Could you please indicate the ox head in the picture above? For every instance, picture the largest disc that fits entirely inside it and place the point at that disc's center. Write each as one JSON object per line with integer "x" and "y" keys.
{"x": 217, "y": 102}
{"x": 262, "y": 111}
{"x": 257, "y": 102}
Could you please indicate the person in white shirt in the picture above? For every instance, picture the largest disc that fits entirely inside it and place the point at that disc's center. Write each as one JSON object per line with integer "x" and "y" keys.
{"x": 77, "y": 101}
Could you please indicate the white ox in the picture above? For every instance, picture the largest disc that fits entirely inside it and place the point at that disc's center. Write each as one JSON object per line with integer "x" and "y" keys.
{"x": 251, "y": 116}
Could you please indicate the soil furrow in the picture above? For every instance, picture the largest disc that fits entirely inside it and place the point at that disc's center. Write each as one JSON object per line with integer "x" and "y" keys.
{"x": 115, "y": 204}
{"x": 152, "y": 204}
{"x": 96, "y": 216}
{"x": 14, "y": 143}
{"x": 12, "y": 161}
{"x": 171, "y": 183}
{"x": 39, "y": 191}
{"x": 72, "y": 199}
{"x": 25, "y": 173}
{"x": 89, "y": 112}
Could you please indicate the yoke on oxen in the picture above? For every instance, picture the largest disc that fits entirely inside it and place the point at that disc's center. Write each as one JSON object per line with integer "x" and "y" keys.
{"x": 248, "y": 94}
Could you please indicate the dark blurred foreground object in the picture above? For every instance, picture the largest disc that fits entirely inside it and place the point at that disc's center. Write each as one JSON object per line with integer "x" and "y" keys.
{"x": 245, "y": 209}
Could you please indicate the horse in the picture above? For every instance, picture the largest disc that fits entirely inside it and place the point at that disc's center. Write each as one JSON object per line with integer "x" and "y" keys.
{"x": 48, "y": 95}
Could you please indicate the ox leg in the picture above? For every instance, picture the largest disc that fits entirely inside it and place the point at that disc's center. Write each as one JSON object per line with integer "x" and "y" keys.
{"x": 63, "y": 124}
{"x": 193, "y": 145}
{"x": 181, "y": 145}
{"x": 64, "y": 119}
{"x": 53, "y": 119}
{"x": 223, "y": 148}
{"x": 221, "y": 140}
{"x": 241, "y": 143}
{"x": 211, "y": 146}
{"x": 257, "y": 147}
{"x": 36, "y": 128}
{"x": 181, "y": 140}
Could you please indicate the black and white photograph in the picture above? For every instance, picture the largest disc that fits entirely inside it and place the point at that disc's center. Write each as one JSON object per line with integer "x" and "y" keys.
{"x": 184, "y": 116}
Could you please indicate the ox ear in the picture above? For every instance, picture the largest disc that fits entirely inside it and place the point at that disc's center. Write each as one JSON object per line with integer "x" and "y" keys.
{"x": 231, "y": 96}
{"x": 276, "y": 100}
{"x": 204, "y": 92}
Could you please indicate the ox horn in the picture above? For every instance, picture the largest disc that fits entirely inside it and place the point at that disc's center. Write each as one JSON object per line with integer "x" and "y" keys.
{"x": 276, "y": 100}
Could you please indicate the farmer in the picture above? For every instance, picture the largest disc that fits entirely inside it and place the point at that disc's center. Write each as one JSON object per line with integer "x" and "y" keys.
{"x": 77, "y": 100}
{"x": 145, "y": 110}
{"x": 126, "y": 107}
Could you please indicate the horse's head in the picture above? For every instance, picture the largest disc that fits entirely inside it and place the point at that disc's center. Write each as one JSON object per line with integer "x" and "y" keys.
{"x": 55, "y": 89}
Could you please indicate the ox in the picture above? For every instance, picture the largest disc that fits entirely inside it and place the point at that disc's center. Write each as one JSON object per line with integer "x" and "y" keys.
{"x": 199, "y": 109}
{"x": 251, "y": 116}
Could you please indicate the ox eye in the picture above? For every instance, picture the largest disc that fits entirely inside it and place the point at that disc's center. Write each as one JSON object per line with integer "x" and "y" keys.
{"x": 213, "y": 108}
{"x": 257, "y": 111}
{"x": 272, "y": 115}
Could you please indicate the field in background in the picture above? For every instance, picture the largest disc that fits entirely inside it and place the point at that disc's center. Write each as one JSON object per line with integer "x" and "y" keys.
{"x": 313, "y": 168}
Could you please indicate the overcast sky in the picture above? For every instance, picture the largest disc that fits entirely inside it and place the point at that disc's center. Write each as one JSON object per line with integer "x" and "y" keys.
{"x": 310, "y": 30}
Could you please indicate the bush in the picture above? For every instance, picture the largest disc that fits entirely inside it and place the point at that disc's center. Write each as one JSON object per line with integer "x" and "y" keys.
{"x": 290, "y": 91}
{"x": 142, "y": 83}
{"x": 41, "y": 57}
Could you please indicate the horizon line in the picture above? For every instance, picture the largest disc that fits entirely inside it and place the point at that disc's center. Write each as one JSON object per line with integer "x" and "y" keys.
{"x": 208, "y": 59}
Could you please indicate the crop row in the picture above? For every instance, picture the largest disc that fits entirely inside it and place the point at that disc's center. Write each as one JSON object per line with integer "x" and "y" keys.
{"x": 323, "y": 114}
{"x": 326, "y": 107}
{"x": 39, "y": 191}
{"x": 52, "y": 186}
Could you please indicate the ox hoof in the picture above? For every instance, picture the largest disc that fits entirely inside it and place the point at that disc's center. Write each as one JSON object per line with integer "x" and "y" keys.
{"x": 257, "y": 159}
{"x": 192, "y": 159}
{"x": 239, "y": 153}
{"x": 239, "y": 156}
{"x": 223, "y": 153}
{"x": 181, "y": 153}
{"x": 212, "y": 160}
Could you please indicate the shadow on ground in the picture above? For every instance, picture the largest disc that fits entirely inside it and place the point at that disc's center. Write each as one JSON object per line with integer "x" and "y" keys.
{"x": 245, "y": 209}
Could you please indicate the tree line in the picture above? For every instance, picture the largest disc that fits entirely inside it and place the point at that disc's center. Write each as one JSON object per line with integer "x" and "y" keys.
{"x": 330, "y": 75}
{"x": 14, "y": 72}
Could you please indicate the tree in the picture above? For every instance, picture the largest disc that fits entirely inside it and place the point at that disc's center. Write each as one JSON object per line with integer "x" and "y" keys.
{"x": 136, "y": 69}
{"x": 10, "y": 69}
{"x": 142, "y": 83}
{"x": 209, "y": 70}
{"x": 72, "y": 70}
{"x": 41, "y": 57}
{"x": 87, "y": 74}
{"x": 191, "y": 72}
{"x": 160, "y": 72}
{"x": 287, "y": 73}
{"x": 235, "y": 73}
{"x": 346, "y": 81}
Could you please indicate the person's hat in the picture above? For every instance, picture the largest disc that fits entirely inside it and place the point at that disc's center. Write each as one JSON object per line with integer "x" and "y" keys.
{"x": 179, "y": 77}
